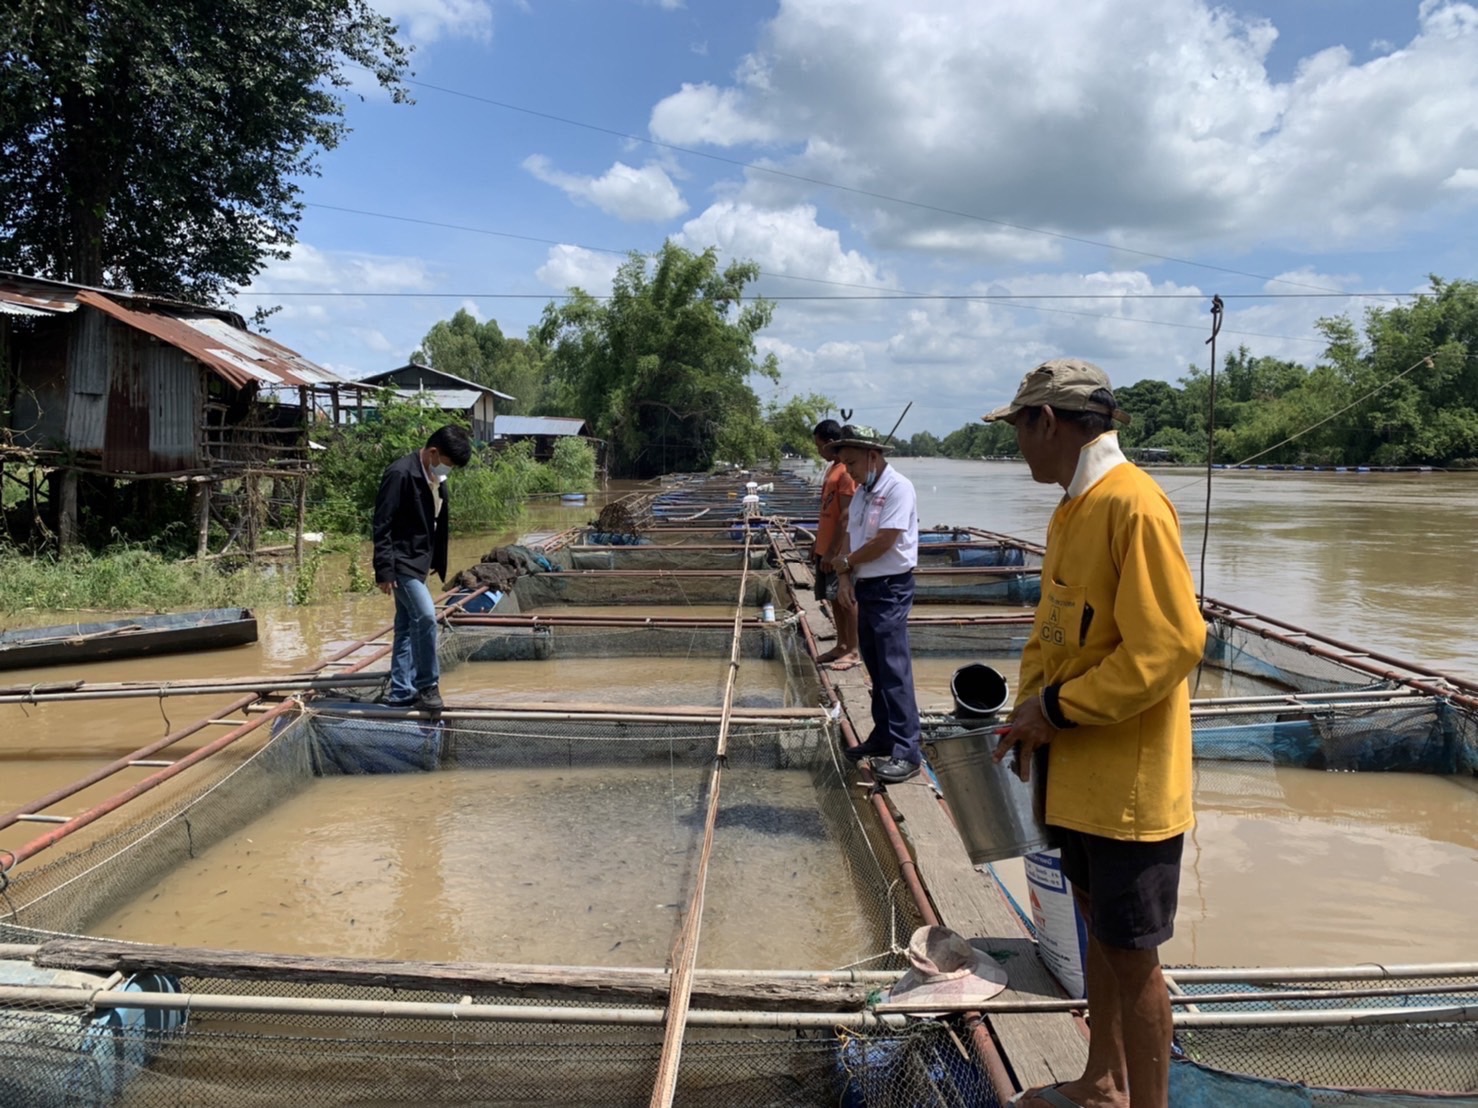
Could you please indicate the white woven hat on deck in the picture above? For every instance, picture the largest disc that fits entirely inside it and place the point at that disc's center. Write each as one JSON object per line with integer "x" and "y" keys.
{"x": 947, "y": 968}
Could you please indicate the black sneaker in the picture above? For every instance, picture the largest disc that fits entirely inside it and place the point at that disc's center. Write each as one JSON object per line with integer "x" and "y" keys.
{"x": 388, "y": 701}
{"x": 894, "y": 771}
{"x": 872, "y": 748}
{"x": 429, "y": 700}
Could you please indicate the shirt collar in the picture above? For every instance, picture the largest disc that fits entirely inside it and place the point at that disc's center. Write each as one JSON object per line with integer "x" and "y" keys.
{"x": 1094, "y": 462}
{"x": 885, "y": 478}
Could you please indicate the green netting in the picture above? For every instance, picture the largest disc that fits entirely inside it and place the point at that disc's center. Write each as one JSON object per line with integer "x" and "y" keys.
{"x": 533, "y": 1065}
{"x": 780, "y": 641}
{"x": 551, "y": 590}
{"x": 929, "y": 637}
{"x": 71, "y": 1058}
{"x": 662, "y": 557}
{"x": 668, "y": 535}
{"x": 260, "y": 1059}
{"x": 963, "y": 587}
{"x": 655, "y": 639}
{"x": 1420, "y": 1055}
{"x": 1237, "y": 650}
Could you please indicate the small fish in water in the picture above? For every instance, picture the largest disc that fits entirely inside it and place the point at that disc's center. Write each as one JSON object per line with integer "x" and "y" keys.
{"x": 618, "y": 943}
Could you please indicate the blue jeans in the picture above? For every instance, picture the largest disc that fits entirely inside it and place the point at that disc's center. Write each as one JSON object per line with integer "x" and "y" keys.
{"x": 883, "y": 604}
{"x": 413, "y": 666}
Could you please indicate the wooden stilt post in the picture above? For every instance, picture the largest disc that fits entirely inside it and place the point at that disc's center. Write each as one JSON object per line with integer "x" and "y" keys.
{"x": 66, "y": 518}
{"x": 200, "y": 499}
{"x": 250, "y": 491}
{"x": 304, "y": 401}
{"x": 302, "y": 513}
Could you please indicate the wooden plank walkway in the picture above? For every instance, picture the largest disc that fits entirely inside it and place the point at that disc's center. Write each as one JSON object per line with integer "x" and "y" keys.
{"x": 1040, "y": 1048}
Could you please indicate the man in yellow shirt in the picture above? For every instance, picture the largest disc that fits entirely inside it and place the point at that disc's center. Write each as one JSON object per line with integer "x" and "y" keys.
{"x": 1103, "y": 687}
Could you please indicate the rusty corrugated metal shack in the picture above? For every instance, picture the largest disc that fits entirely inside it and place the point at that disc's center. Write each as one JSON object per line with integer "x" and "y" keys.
{"x": 128, "y": 387}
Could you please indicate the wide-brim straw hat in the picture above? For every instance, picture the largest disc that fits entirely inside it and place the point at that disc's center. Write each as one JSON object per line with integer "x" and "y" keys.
{"x": 946, "y": 969}
{"x": 858, "y": 441}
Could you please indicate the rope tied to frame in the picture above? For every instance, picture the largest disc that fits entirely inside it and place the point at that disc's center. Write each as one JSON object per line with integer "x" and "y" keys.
{"x": 5, "y": 867}
{"x": 1216, "y": 317}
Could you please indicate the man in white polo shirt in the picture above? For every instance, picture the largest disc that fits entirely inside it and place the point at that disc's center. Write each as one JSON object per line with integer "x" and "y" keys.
{"x": 876, "y": 575}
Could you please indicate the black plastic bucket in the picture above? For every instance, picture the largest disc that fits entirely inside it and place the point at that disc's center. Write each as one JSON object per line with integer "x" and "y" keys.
{"x": 978, "y": 690}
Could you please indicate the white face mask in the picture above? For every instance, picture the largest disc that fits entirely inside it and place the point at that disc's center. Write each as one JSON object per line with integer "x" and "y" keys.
{"x": 440, "y": 472}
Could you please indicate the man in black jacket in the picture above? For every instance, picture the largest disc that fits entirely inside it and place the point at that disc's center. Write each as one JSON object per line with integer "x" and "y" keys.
{"x": 410, "y": 532}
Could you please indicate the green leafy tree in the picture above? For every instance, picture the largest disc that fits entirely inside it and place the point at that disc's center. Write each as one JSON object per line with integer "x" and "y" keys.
{"x": 481, "y": 352}
{"x": 925, "y": 444}
{"x": 791, "y": 424}
{"x": 160, "y": 144}
{"x": 488, "y": 493}
{"x": 462, "y": 345}
{"x": 661, "y": 370}
{"x": 980, "y": 440}
{"x": 1429, "y": 416}
{"x": 1154, "y": 406}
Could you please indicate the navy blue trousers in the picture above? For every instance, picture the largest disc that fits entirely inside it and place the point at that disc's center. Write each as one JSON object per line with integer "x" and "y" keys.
{"x": 883, "y": 604}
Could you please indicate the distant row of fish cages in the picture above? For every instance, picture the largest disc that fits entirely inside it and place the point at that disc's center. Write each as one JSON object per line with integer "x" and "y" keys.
{"x": 1283, "y": 468}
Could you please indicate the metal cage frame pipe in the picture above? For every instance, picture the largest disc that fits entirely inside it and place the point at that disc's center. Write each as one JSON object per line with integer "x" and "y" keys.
{"x": 153, "y": 781}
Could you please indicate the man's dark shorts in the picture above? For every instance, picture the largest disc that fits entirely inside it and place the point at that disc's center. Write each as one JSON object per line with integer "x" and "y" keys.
{"x": 1133, "y": 887}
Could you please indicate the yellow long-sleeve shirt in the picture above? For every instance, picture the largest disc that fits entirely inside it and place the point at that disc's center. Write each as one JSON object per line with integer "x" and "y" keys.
{"x": 1117, "y": 632}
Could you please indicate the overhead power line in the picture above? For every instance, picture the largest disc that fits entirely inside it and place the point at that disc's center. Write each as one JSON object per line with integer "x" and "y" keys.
{"x": 898, "y": 293}
{"x": 756, "y": 167}
{"x": 879, "y": 296}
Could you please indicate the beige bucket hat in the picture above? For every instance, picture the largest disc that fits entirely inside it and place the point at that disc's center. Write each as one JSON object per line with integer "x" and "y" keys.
{"x": 1066, "y": 384}
{"x": 946, "y": 969}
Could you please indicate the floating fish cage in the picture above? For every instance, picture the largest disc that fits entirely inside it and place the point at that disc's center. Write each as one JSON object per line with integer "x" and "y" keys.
{"x": 596, "y": 1053}
{"x": 83, "y": 1021}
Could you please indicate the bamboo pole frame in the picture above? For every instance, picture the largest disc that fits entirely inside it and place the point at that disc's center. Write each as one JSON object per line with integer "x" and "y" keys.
{"x": 685, "y": 953}
{"x": 71, "y": 1000}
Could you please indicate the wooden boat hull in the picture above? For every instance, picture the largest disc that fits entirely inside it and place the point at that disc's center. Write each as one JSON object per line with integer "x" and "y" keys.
{"x": 137, "y": 637}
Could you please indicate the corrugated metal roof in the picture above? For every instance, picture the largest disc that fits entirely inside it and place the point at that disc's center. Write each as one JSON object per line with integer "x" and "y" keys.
{"x": 7, "y": 308}
{"x": 35, "y": 297}
{"x": 447, "y": 400}
{"x": 378, "y": 378}
{"x": 61, "y": 296}
{"x": 235, "y": 354}
{"x": 506, "y": 425}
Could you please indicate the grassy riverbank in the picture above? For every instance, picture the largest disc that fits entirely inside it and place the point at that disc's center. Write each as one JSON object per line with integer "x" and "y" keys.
{"x": 490, "y": 494}
{"x": 133, "y": 579}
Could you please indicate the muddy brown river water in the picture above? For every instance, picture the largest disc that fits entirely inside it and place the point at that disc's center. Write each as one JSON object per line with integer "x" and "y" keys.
{"x": 1285, "y": 866}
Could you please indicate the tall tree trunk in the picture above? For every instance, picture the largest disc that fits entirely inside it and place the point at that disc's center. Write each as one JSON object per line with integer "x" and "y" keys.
{"x": 85, "y": 166}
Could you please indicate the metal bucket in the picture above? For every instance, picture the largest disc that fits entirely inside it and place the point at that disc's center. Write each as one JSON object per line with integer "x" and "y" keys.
{"x": 996, "y": 813}
{"x": 978, "y": 690}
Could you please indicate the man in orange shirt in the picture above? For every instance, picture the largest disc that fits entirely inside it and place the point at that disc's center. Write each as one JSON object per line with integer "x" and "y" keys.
{"x": 837, "y": 488}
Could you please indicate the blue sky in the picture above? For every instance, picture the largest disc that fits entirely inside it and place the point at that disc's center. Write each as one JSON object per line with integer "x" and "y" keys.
{"x": 1165, "y": 147}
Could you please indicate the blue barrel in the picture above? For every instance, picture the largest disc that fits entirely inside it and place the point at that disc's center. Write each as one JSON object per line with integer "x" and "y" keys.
{"x": 58, "y": 1061}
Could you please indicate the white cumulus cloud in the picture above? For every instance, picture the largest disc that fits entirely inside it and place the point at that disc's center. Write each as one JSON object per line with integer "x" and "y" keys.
{"x": 425, "y": 21}
{"x": 1154, "y": 126}
{"x": 575, "y": 267}
{"x": 628, "y": 193}
{"x": 1463, "y": 180}
{"x": 309, "y": 269}
{"x": 787, "y": 241}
